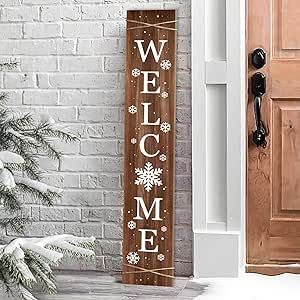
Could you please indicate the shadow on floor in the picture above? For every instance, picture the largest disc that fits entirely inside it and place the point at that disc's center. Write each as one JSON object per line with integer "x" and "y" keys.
{"x": 98, "y": 286}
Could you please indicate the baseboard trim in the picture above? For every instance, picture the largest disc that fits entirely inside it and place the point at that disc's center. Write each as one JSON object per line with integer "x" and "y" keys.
{"x": 216, "y": 254}
{"x": 272, "y": 270}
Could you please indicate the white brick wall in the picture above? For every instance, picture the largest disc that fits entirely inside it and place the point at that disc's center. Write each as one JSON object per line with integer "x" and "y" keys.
{"x": 71, "y": 65}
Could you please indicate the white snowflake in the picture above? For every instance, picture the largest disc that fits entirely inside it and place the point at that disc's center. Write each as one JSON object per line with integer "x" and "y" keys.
{"x": 165, "y": 64}
{"x": 136, "y": 72}
{"x": 164, "y": 95}
{"x": 131, "y": 225}
{"x": 132, "y": 109}
{"x": 133, "y": 258}
{"x": 164, "y": 228}
{"x": 160, "y": 257}
{"x": 133, "y": 141}
{"x": 148, "y": 177}
{"x": 165, "y": 127}
{"x": 162, "y": 157}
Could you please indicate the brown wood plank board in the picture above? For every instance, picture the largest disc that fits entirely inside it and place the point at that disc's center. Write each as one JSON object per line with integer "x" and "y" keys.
{"x": 149, "y": 175}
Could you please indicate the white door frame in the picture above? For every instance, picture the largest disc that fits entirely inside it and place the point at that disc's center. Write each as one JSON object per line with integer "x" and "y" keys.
{"x": 219, "y": 137}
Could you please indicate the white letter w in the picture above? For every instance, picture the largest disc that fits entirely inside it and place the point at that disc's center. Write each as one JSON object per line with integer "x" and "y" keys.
{"x": 151, "y": 46}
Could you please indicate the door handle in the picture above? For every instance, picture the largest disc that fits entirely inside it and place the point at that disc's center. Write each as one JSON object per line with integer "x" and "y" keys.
{"x": 258, "y": 90}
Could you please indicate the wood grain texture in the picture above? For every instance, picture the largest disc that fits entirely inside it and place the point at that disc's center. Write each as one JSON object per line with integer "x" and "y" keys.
{"x": 273, "y": 173}
{"x": 163, "y": 108}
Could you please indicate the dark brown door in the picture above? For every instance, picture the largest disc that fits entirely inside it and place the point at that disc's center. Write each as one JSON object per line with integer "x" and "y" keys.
{"x": 273, "y": 171}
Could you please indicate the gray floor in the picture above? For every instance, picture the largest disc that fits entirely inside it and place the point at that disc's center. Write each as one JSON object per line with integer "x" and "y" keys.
{"x": 92, "y": 286}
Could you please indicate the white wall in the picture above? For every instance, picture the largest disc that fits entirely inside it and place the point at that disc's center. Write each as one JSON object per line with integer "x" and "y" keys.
{"x": 218, "y": 47}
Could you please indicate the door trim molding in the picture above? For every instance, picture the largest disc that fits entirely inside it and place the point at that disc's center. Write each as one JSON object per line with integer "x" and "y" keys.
{"x": 218, "y": 224}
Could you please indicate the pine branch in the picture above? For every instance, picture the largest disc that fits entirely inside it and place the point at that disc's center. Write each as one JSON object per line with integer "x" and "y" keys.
{"x": 47, "y": 198}
{"x": 3, "y": 99}
{"x": 16, "y": 224}
{"x": 9, "y": 200}
{"x": 18, "y": 121}
{"x": 8, "y": 66}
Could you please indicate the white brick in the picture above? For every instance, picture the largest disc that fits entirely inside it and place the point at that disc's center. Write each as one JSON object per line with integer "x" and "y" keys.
{"x": 90, "y": 97}
{"x": 48, "y": 164}
{"x": 40, "y": 97}
{"x": 82, "y": 164}
{"x": 37, "y": 47}
{"x": 184, "y": 27}
{"x": 19, "y": 80}
{"x": 81, "y": 64}
{"x": 20, "y": 14}
{"x": 112, "y": 29}
{"x": 10, "y": 2}
{"x": 82, "y": 198}
{"x": 85, "y": 1}
{"x": 183, "y": 45}
{"x": 14, "y": 97}
{"x": 10, "y": 31}
{"x": 113, "y": 231}
{"x": 58, "y": 13}
{"x": 41, "y": 2}
{"x": 113, "y": 198}
{"x": 97, "y": 47}
{"x": 62, "y": 114}
{"x": 79, "y": 81}
{"x": 67, "y": 148}
{"x": 184, "y": 9}
{"x": 44, "y": 229}
{"x": 114, "y": 64}
{"x": 98, "y": 12}
{"x": 59, "y": 214}
{"x": 102, "y": 147}
{"x": 84, "y": 229}
{"x": 184, "y": 115}
{"x": 113, "y": 164}
{"x": 93, "y": 114}
{"x": 93, "y": 181}
{"x": 64, "y": 180}
{"x": 38, "y": 63}
{"x": 98, "y": 81}
{"x": 184, "y": 80}
{"x": 82, "y": 29}
{"x": 43, "y": 81}
{"x": 42, "y": 30}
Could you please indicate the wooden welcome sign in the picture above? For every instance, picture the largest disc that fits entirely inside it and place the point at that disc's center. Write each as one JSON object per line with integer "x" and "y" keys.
{"x": 148, "y": 255}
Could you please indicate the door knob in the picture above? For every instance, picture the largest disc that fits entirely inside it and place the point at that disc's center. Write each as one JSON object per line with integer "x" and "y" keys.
{"x": 258, "y": 58}
{"x": 258, "y": 90}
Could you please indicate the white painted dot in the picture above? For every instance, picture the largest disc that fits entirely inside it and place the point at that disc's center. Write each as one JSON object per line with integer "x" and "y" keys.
{"x": 145, "y": 31}
{"x": 157, "y": 16}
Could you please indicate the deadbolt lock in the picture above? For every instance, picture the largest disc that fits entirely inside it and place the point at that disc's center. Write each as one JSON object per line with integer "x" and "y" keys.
{"x": 258, "y": 58}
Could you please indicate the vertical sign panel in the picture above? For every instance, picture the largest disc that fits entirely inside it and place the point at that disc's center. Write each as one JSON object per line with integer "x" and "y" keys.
{"x": 149, "y": 147}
